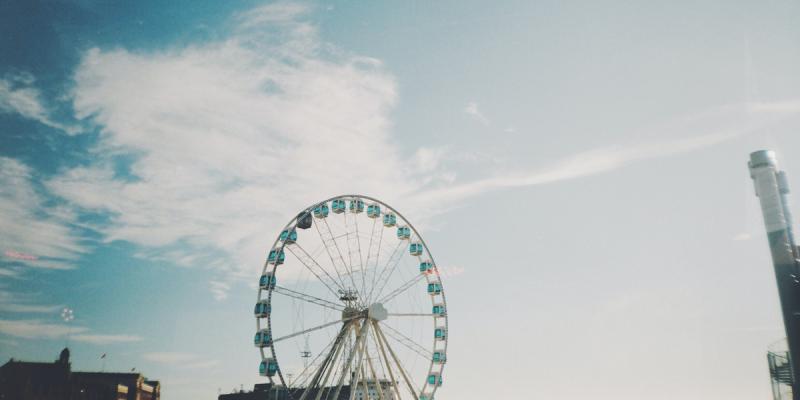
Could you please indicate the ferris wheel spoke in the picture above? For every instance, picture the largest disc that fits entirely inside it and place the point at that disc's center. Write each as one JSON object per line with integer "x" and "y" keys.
{"x": 310, "y": 366}
{"x": 385, "y": 363}
{"x": 354, "y": 242}
{"x": 412, "y": 315}
{"x": 308, "y": 261}
{"x": 332, "y": 248}
{"x": 407, "y": 342}
{"x": 327, "y": 363}
{"x": 307, "y": 298}
{"x": 359, "y": 364}
{"x": 378, "y": 386}
{"x": 401, "y": 289}
{"x": 349, "y": 363}
{"x": 396, "y": 361}
{"x": 377, "y": 257}
{"x": 394, "y": 260}
{"x": 309, "y": 330}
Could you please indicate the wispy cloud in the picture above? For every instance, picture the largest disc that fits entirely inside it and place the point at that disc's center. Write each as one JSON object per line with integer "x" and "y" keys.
{"x": 34, "y": 234}
{"x": 230, "y": 138}
{"x": 39, "y": 329}
{"x": 27, "y": 308}
{"x": 18, "y": 95}
{"x": 184, "y": 360}
{"x": 699, "y": 131}
{"x": 105, "y": 339}
{"x": 472, "y": 110}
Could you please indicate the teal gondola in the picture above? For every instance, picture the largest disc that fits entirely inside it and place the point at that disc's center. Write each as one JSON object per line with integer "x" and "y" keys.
{"x": 262, "y": 338}
{"x": 435, "y": 379}
{"x": 434, "y": 288}
{"x": 268, "y": 367}
{"x": 276, "y": 257}
{"x": 373, "y": 211}
{"x": 439, "y": 357}
{"x": 440, "y": 333}
{"x": 268, "y": 280}
{"x": 288, "y": 236}
{"x": 338, "y": 206}
{"x": 426, "y": 267}
{"x": 262, "y": 309}
{"x": 321, "y": 211}
{"x": 439, "y": 310}
{"x": 389, "y": 220}
{"x": 356, "y": 206}
{"x": 403, "y": 232}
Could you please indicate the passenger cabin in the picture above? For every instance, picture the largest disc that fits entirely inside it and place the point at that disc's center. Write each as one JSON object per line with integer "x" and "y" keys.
{"x": 439, "y": 357}
{"x": 416, "y": 249}
{"x": 276, "y": 257}
{"x": 389, "y": 220}
{"x": 435, "y": 379}
{"x": 356, "y": 206}
{"x": 434, "y": 288}
{"x": 263, "y": 309}
{"x": 304, "y": 220}
{"x": 440, "y": 333}
{"x": 321, "y": 211}
{"x": 439, "y": 310}
{"x": 403, "y": 232}
{"x": 373, "y": 211}
{"x": 268, "y": 367}
{"x": 338, "y": 206}
{"x": 262, "y": 338}
{"x": 426, "y": 267}
{"x": 288, "y": 236}
{"x": 268, "y": 280}
{"x": 426, "y": 396}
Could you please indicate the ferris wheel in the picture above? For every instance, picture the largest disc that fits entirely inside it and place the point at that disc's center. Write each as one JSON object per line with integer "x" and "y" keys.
{"x": 351, "y": 306}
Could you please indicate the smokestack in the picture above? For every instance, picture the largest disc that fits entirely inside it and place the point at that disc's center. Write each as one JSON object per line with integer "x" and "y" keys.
{"x": 772, "y": 189}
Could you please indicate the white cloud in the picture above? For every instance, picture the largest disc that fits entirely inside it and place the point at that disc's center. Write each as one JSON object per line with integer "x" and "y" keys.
{"x": 700, "y": 131}
{"x": 32, "y": 233}
{"x": 472, "y": 110}
{"x": 105, "y": 339}
{"x": 27, "y": 308}
{"x": 232, "y": 137}
{"x": 17, "y": 95}
{"x": 38, "y": 329}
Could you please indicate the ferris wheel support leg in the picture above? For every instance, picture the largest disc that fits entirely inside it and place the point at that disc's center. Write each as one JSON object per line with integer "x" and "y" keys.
{"x": 331, "y": 360}
{"x": 352, "y": 355}
{"x": 387, "y": 362}
{"x": 378, "y": 386}
{"x": 357, "y": 377}
{"x": 326, "y": 363}
{"x": 394, "y": 356}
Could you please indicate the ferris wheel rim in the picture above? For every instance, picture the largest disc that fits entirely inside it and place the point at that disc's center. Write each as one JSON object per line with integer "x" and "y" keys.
{"x": 278, "y": 245}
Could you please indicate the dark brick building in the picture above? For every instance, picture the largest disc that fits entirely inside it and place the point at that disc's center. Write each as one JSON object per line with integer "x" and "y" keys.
{"x": 22, "y": 380}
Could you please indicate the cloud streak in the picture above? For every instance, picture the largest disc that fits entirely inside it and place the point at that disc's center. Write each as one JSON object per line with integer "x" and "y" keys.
{"x": 19, "y": 96}
{"x": 33, "y": 233}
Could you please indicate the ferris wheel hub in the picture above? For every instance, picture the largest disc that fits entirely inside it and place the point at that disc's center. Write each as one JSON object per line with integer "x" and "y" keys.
{"x": 377, "y": 312}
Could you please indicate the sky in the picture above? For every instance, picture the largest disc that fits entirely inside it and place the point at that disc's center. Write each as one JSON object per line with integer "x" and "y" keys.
{"x": 578, "y": 169}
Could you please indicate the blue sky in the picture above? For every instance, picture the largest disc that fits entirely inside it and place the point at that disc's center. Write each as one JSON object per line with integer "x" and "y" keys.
{"x": 578, "y": 169}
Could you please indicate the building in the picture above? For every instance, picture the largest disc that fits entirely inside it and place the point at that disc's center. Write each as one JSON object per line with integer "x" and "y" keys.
{"x": 22, "y": 380}
{"x": 772, "y": 189}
